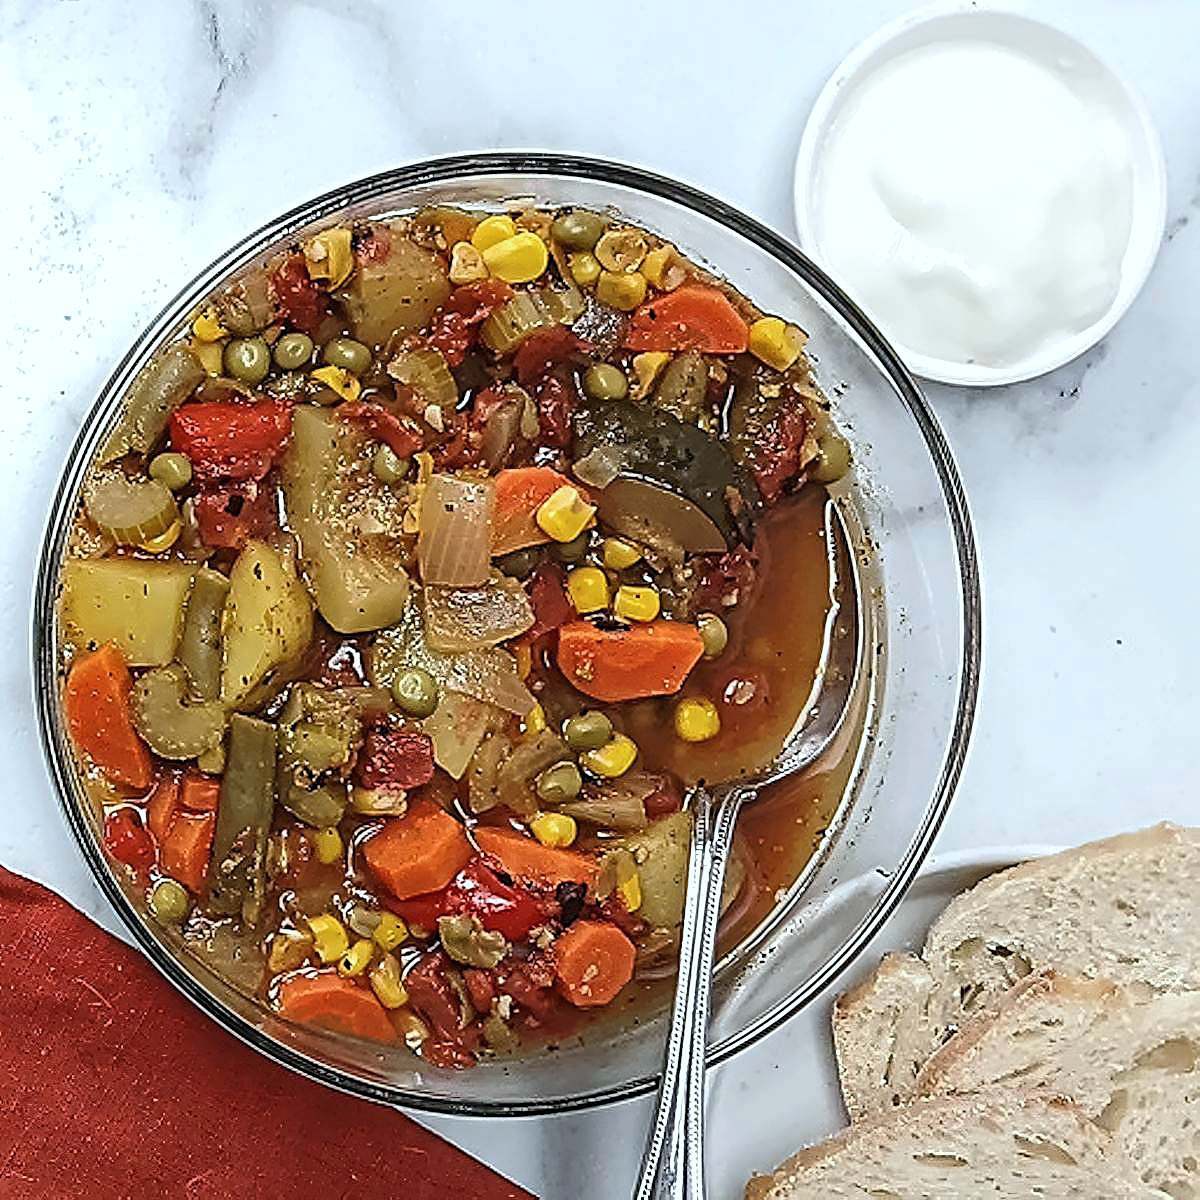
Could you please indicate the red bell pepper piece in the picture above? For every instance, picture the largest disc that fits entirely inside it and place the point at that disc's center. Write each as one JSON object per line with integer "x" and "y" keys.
{"x": 479, "y": 892}
{"x": 555, "y": 399}
{"x": 396, "y": 758}
{"x": 430, "y": 993}
{"x": 452, "y": 329}
{"x": 127, "y": 840}
{"x": 549, "y": 599}
{"x": 231, "y": 441}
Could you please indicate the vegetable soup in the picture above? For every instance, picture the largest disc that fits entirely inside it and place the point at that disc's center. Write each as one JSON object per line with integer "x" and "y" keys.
{"x": 411, "y": 591}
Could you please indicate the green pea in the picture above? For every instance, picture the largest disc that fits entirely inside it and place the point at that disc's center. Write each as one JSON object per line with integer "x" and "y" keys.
{"x": 169, "y": 902}
{"x": 578, "y": 230}
{"x": 519, "y": 563}
{"x": 833, "y": 458}
{"x": 574, "y": 550}
{"x": 293, "y": 351}
{"x": 346, "y": 353}
{"x": 387, "y": 466}
{"x": 559, "y": 783}
{"x": 713, "y": 633}
{"x": 172, "y": 469}
{"x": 603, "y": 381}
{"x": 415, "y": 691}
{"x": 247, "y": 359}
{"x": 587, "y": 731}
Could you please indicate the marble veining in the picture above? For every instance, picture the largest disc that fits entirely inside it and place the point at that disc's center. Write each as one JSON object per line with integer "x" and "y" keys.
{"x": 142, "y": 139}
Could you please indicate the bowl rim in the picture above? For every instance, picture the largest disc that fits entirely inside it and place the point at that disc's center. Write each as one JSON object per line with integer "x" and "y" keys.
{"x": 466, "y": 166}
{"x": 1143, "y": 244}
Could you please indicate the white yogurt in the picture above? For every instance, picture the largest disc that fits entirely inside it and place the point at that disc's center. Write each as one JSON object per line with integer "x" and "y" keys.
{"x": 974, "y": 203}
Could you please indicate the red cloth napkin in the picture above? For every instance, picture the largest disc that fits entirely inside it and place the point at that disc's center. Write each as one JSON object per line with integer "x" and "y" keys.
{"x": 114, "y": 1087}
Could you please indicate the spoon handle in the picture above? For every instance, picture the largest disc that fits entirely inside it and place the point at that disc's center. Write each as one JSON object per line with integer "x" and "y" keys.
{"x": 673, "y": 1162}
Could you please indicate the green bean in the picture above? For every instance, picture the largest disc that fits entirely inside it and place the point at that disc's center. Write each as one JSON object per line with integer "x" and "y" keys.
{"x": 237, "y": 875}
{"x": 200, "y": 643}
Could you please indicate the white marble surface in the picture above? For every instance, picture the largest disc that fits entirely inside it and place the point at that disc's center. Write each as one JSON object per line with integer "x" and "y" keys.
{"x": 140, "y": 139}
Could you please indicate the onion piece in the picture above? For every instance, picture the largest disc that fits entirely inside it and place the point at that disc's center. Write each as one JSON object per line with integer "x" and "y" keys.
{"x": 424, "y": 369}
{"x": 454, "y": 544}
{"x": 456, "y": 727}
{"x": 618, "y": 804}
{"x": 474, "y": 618}
{"x": 489, "y": 675}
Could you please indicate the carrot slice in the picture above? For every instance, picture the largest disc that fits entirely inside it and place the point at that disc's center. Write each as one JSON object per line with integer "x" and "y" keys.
{"x": 690, "y": 318}
{"x": 200, "y": 793}
{"x": 418, "y": 852}
{"x": 520, "y": 492}
{"x": 523, "y": 858}
{"x": 98, "y": 715}
{"x": 335, "y": 1003}
{"x": 626, "y": 664}
{"x": 593, "y": 961}
{"x": 164, "y": 803}
{"x": 187, "y": 848}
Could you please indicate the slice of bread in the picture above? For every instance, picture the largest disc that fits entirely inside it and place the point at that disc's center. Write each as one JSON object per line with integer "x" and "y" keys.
{"x": 1002, "y": 1145}
{"x": 1126, "y": 908}
{"x": 1126, "y": 1056}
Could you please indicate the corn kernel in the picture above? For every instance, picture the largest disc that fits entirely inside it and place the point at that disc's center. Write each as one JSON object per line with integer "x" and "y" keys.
{"x": 466, "y": 263}
{"x": 774, "y": 343}
{"x": 588, "y": 589}
{"x": 329, "y": 937}
{"x": 210, "y": 355}
{"x": 329, "y": 256}
{"x": 553, "y": 829}
{"x": 517, "y": 259}
{"x": 390, "y": 931}
{"x": 655, "y": 264}
{"x": 208, "y": 328}
{"x": 535, "y": 720}
{"x": 620, "y": 555}
{"x": 564, "y": 515}
{"x": 339, "y": 381}
{"x": 585, "y": 267}
{"x": 637, "y": 603}
{"x": 164, "y": 541}
{"x": 613, "y": 759}
{"x": 327, "y": 845}
{"x": 356, "y": 959}
{"x": 491, "y": 230}
{"x": 697, "y": 719}
{"x": 631, "y": 892}
{"x": 647, "y": 368}
{"x": 622, "y": 290}
{"x": 385, "y": 983}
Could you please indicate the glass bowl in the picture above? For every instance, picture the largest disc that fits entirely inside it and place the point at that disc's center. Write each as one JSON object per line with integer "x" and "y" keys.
{"x": 916, "y": 551}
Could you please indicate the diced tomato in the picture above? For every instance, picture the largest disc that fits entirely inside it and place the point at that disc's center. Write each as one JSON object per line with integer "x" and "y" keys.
{"x": 300, "y": 299}
{"x": 480, "y": 988}
{"x": 403, "y": 436}
{"x": 725, "y": 580}
{"x": 374, "y": 245}
{"x": 229, "y": 517}
{"x": 398, "y": 758}
{"x": 453, "y": 327}
{"x": 127, "y": 840}
{"x": 544, "y": 349}
{"x": 434, "y": 999}
{"x": 530, "y": 984}
{"x": 477, "y": 890}
{"x": 549, "y": 599}
{"x": 231, "y": 441}
{"x": 556, "y": 399}
{"x": 666, "y": 798}
{"x": 475, "y": 302}
{"x": 200, "y": 793}
{"x": 775, "y": 457}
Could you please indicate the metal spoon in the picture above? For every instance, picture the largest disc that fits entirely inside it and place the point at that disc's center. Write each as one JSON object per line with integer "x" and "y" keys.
{"x": 673, "y": 1162}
